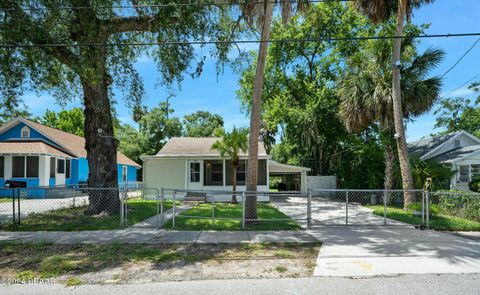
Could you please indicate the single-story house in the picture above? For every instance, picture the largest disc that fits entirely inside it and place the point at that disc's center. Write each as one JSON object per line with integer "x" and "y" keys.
{"x": 460, "y": 150}
{"x": 43, "y": 156}
{"x": 189, "y": 163}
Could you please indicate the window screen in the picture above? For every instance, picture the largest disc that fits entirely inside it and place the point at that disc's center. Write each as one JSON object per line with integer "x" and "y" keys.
{"x": 2, "y": 166}
{"x": 194, "y": 172}
{"x": 52, "y": 167}
{"x": 464, "y": 173}
{"x": 241, "y": 172}
{"x": 32, "y": 166}
{"x": 67, "y": 169}
{"x": 213, "y": 172}
{"x": 61, "y": 166}
{"x": 262, "y": 172}
{"x": 18, "y": 166}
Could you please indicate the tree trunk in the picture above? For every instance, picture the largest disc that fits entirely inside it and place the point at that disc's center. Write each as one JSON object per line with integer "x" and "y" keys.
{"x": 101, "y": 149}
{"x": 252, "y": 167}
{"x": 389, "y": 155}
{"x": 234, "y": 184}
{"x": 403, "y": 158}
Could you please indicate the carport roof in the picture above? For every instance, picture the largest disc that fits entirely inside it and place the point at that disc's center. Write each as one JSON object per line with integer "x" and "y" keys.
{"x": 275, "y": 167}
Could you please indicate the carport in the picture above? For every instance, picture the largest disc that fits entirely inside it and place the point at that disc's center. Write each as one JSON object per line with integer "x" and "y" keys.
{"x": 293, "y": 177}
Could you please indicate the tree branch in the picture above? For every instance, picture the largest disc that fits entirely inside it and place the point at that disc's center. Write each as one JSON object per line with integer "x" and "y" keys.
{"x": 134, "y": 24}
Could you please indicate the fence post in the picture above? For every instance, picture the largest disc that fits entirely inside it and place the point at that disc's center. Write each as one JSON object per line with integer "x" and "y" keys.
{"x": 427, "y": 205}
{"x": 162, "y": 198}
{"x": 243, "y": 210}
{"x": 13, "y": 205}
{"x": 346, "y": 207}
{"x": 213, "y": 208}
{"x": 309, "y": 209}
{"x": 385, "y": 207}
{"x": 423, "y": 207}
{"x": 122, "y": 209}
{"x": 173, "y": 211}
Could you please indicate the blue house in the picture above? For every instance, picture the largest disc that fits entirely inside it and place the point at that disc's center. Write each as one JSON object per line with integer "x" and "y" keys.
{"x": 47, "y": 157}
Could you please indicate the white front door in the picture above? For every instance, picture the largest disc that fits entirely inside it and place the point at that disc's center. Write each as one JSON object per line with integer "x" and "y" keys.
{"x": 195, "y": 175}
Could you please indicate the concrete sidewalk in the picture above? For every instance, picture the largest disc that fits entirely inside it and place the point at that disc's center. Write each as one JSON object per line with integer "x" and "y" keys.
{"x": 142, "y": 235}
{"x": 378, "y": 250}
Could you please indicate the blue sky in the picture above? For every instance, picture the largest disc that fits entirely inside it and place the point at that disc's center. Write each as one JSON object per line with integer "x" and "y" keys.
{"x": 217, "y": 94}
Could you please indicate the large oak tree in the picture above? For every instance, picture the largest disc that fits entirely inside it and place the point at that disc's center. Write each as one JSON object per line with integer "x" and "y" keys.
{"x": 71, "y": 48}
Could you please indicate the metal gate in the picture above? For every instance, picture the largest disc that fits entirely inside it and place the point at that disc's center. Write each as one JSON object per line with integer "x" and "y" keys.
{"x": 366, "y": 207}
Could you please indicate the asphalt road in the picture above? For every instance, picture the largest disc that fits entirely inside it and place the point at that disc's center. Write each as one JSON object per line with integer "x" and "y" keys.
{"x": 406, "y": 284}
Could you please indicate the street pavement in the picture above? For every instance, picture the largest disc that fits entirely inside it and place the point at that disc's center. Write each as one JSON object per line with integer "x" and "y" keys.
{"x": 445, "y": 284}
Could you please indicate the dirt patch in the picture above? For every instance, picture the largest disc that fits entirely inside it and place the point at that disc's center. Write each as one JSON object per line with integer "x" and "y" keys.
{"x": 144, "y": 263}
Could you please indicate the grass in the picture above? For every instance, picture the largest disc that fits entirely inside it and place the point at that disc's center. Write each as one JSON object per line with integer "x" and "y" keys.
{"x": 437, "y": 222}
{"x": 73, "y": 219}
{"x": 5, "y": 200}
{"x": 29, "y": 260}
{"x": 265, "y": 211}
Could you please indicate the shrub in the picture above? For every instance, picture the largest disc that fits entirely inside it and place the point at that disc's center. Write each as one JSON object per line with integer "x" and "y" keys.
{"x": 459, "y": 204}
{"x": 474, "y": 185}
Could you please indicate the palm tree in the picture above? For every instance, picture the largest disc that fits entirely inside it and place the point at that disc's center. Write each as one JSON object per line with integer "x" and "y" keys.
{"x": 365, "y": 91}
{"x": 262, "y": 12}
{"x": 382, "y": 10}
{"x": 230, "y": 146}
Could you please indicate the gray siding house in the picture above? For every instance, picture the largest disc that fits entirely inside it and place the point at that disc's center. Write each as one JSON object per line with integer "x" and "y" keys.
{"x": 460, "y": 150}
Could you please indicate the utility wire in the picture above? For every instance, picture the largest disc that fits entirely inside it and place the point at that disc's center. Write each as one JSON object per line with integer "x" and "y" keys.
{"x": 460, "y": 59}
{"x": 465, "y": 83}
{"x": 207, "y": 42}
{"x": 140, "y": 6}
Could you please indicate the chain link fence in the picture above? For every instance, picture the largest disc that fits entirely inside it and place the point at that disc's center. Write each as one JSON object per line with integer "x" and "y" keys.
{"x": 73, "y": 208}
{"x": 367, "y": 207}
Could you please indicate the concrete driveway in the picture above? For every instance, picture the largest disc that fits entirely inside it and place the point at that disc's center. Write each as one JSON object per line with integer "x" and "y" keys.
{"x": 328, "y": 212}
{"x": 372, "y": 249}
{"x": 390, "y": 250}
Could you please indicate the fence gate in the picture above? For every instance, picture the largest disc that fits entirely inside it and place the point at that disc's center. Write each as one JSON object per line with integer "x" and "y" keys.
{"x": 364, "y": 207}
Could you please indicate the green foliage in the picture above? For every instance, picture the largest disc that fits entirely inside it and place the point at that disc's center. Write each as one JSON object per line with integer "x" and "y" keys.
{"x": 70, "y": 121}
{"x": 474, "y": 185}
{"x": 232, "y": 144}
{"x": 459, "y": 204}
{"x": 430, "y": 174}
{"x": 201, "y": 124}
{"x": 454, "y": 114}
{"x": 299, "y": 99}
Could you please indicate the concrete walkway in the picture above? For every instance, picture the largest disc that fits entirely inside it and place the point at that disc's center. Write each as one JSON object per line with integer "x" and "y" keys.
{"x": 378, "y": 250}
{"x": 141, "y": 235}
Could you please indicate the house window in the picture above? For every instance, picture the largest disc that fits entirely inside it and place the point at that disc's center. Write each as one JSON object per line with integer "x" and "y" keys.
{"x": 18, "y": 166}
{"x": 262, "y": 172}
{"x": 457, "y": 143}
{"x": 463, "y": 173}
{"x": 25, "y": 166}
{"x": 241, "y": 172}
{"x": 475, "y": 170}
{"x": 194, "y": 172}
{"x": 67, "y": 168}
{"x": 32, "y": 166}
{"x": 124, "y": 173}
{"x": 52, "y": 167}
{"x": 61, "y": 166}
{"x": 25, "y": 132}
{"x": 2, "y": 166}
{"x": 213, "y": 172}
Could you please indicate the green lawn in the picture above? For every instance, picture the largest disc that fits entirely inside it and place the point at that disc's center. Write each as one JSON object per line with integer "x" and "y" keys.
{"x": 5, "y": 200}
{"x": 225, "y": 210}
{"x": 73, "y": 219}
{"x": 438, "y": 222}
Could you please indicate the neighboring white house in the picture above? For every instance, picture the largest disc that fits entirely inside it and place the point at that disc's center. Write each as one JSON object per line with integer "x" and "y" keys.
{"x": 460, "y": 150}
{"x": 190, "y": 163}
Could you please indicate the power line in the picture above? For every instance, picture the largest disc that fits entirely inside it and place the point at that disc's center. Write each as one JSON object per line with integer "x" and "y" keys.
{"x": 210, "y": 42}
{"x": 140, "y": 6}
{"x": 460, "y": 59}
{"x": 465, "y": 83}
